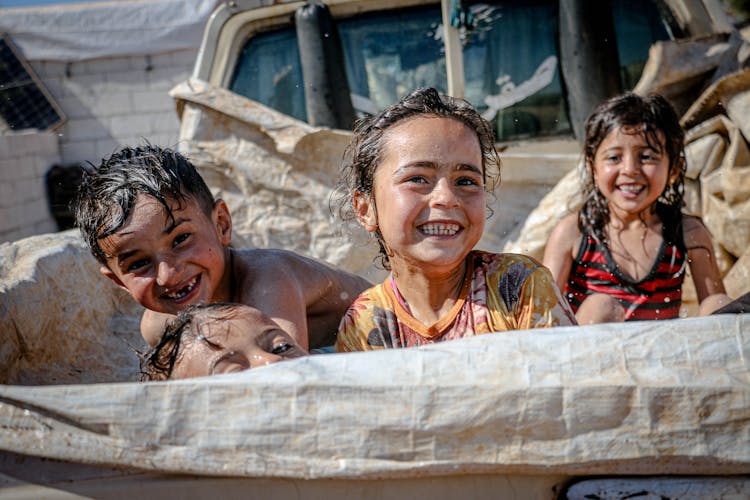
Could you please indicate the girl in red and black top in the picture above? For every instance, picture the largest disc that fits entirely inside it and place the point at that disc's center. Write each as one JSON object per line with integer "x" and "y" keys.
{"x": 624, "y": 255}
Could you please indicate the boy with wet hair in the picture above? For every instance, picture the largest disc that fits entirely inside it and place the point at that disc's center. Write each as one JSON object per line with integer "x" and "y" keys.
{"x": 215, "y": 339}
{"x": 150, "y": 220}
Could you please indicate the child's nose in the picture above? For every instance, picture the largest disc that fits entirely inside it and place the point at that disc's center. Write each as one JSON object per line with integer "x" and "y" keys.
{"x": 631, "y": 164}
{"x": 443, "y": 195}
{"x": 167, "y": 273}
{"x": 263, "y": 358}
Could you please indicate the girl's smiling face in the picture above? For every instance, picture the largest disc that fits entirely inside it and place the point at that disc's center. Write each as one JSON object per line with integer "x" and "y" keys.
{"x": 629, "y": 173}
{"x": 428, "y": 198}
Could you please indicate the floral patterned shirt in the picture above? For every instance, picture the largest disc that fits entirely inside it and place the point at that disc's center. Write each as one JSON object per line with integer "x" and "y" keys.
{"x": 501, "y": 292}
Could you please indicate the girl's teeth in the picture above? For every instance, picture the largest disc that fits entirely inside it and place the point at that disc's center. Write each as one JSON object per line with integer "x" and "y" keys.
{"x": 631, "y": 189}
{"x": 440, "y": 229}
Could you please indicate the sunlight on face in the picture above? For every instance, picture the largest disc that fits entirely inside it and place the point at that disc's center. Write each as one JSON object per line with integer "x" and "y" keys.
{"x": 240, "y": 340}
{"x": 429, "y": 198}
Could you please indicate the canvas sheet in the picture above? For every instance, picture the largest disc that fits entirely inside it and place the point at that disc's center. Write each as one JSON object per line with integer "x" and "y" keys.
{"x": 636, "y": 398}
{"x": 82, "y": 31}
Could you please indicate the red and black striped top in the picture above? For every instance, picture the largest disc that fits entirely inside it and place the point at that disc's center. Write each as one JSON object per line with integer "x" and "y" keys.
{"x": 657, "y": 296}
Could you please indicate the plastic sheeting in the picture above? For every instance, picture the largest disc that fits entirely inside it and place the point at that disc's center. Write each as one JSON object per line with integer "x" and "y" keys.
{"x": 106, "y": 29}
{"x": 639, "y": 398}
{"x": 635, "y": 398}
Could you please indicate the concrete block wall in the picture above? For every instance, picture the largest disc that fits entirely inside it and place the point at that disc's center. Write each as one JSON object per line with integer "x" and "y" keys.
{"x": 24, "y": 162}
{"x": 116, "y": 101}
{"x": 109, "y": 103}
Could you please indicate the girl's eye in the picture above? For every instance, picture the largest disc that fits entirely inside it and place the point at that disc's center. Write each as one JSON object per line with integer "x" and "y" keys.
{"x": 137, "y": 265}
{"x": 467, "y": 181}
{"x": 281, "y": 348}
{"x": 181, "y": 238}
{"x": 417, "y": 179}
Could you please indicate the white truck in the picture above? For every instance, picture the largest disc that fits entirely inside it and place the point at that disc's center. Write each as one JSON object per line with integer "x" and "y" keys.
{"x": 658, "y": 409}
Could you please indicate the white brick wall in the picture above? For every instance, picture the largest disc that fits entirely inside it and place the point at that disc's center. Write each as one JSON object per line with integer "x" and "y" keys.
{"x": 109, "y": 103}
{"x": 24, "y": 161}
{"x": 116, "y": 102}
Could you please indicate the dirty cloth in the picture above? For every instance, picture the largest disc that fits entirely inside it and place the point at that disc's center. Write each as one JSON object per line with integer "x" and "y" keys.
{"x": 650, "y": 397}
{"x": 501, "y": 292}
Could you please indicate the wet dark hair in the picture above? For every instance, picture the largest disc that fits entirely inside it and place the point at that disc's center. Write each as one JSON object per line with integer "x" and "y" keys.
{"x": 157, "y": 363}
{"x": 646, "y": 115}
{"x": 108, "y": 192}
{"x": 365, "y": 151}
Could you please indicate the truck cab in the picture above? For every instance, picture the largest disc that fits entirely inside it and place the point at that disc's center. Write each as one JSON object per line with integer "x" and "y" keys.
{"x": 512, "y": 59}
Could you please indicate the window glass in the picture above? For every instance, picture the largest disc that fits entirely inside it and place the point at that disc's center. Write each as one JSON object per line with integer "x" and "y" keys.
{"x": 637, "y": 26}
{"x": 24, "y": 101}
{"x": 269, "y": 71}
{"x": 390, "y": 54}
{"x": 511, "y": 67}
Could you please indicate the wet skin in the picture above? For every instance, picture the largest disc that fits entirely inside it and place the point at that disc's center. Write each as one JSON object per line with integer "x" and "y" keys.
{"x": 630, "y": 174}
{"x": 428, "y": 203}
{"x": 168, "y": 264}
{"x": 242, "y": 340}
{"x": 429, "y": 200}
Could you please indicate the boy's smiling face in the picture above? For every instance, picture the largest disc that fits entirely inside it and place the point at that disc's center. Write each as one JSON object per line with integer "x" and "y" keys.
{"x": 167, "y": 264}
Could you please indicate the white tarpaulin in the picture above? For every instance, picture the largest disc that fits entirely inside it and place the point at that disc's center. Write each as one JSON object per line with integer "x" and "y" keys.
{"x": 635, "y": 398}
{"x": 660, "y": 397}
{"x": 83, "y": 31}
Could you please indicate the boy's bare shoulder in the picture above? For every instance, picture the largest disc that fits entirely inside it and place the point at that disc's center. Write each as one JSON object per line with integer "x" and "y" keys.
{"x": 266, "y": 260}
{"x": 287, "y": 268}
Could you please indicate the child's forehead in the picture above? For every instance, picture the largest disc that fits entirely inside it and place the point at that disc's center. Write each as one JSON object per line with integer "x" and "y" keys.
{"x": 238, "y": 323}
{"x": 432, "y": 132}
{"x": 638, "y": 131}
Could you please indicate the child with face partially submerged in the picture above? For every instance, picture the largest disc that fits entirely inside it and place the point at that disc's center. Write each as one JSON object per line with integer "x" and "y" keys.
{"x": 217, "y": 338}
{"x": 415, "y": 177}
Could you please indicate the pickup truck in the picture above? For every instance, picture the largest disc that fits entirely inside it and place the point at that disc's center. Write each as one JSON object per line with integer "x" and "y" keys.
{"x": 608, "y": 411}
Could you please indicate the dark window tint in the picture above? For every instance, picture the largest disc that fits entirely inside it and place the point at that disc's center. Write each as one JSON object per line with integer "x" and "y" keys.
{"x": 390, "y": 54}
{"x": 269, "y": 71}
{"x": 637, "y": 26}
{"x": 511, "y": 63}
{"x": 511, "y": 67}
{"x": 24, "y": 103}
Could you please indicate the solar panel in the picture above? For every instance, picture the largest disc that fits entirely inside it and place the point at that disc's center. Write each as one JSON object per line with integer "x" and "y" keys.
{"x": 24, "y": 101}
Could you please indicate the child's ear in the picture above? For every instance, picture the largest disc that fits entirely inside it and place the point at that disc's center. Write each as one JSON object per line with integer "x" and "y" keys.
{"x": 679, "y": 167}
{"x": 364, "y": 210}
{"x": 109, "y": 274}
{"x": 223, "y": 221}
{"x": 590, "y": 167}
